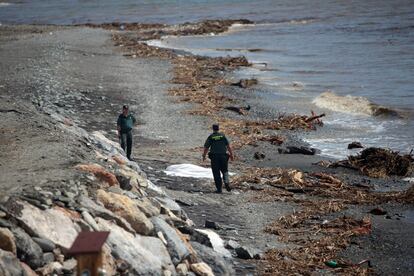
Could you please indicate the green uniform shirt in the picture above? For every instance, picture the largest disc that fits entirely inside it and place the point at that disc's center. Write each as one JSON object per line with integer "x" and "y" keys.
{"x": 217, "y": 142}
{"x": 126, "y": 123}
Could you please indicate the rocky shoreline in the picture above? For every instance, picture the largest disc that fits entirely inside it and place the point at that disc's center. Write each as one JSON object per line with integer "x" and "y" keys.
{"x": 65, "y": 170}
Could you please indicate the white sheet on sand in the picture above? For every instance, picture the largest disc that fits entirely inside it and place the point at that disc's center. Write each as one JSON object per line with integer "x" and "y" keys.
{"x": 189, "y": 170}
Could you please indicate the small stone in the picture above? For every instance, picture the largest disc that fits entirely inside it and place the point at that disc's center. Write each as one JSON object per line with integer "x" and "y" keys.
{"x": 45, "y": 244}
{"x": 244, "y": 253}
{"x": 232, "y": 244}
{"x": 10, "y": 264}
{"x": 162, "y": 238}
{"x": 202, "y": 269}
{"x": 48, "y": 257}
{"x": 212, "y": 225}
{"x": 167, "y": 273}
{"x": 182, "y": 269}
{"x": 69, "y": 266}
{"x": 7, "y": 241}
{"x": 4, "y": 223}
{"x": 2, "y": 214}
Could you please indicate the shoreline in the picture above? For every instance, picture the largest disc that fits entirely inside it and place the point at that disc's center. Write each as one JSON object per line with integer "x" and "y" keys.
{"x": 197, "y": 191}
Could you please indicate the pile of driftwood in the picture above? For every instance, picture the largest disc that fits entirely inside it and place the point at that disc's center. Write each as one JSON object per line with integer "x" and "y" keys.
{"x": 323, "y": 185}
{"x": 318, "y": 237}
{"x": 379, "y": 162}
{"x": 317, "y": 240}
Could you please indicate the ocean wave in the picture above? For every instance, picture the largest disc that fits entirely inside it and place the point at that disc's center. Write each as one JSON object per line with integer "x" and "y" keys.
{"x": 5, "y": 4}
{"x": 352, "y": 105}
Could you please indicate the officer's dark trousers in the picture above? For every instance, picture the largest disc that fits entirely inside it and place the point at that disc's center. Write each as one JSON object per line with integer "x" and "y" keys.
{"x": 126, "y": 143}
{"x": 219, "y": 163}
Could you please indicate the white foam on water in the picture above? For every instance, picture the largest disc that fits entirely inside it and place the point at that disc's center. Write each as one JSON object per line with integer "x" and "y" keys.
{"x": 190, "y": 170}
{"x": 409, "y": 179}
{"x": 5, "y": 4}
{"x": 351, "y": 104}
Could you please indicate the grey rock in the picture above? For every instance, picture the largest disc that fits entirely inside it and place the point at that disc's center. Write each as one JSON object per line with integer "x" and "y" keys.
{"x": 27, "y": 250}
{"x": 145, "y": 255}
{"x": 100, "y": 211}
{"x": 176, "y": 247}
{"x": 69, "y": 266}
{"x": 216, "y": 242}
{"x": 90, "y": 220}
{"x": 5, "y": 224}
{"x": 50, "y": 224}
{"x": 245, "y": 253}
{"x": 232, "y": 244}
{"x": 45, "y": 244}
{"x": 48, "y": 257}
{"x": 219, "y": 265}
{"x": 170, "y": 204}
{"x": 212, "y": 225}
{"x": 124, "y": 182}
{"x": 355, "y": 145}
{"x": 201, "y": 237}
{"x": 10, "y": 265}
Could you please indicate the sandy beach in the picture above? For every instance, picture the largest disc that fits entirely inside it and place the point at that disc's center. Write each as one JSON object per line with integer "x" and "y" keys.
{"x": 81, "y": 76}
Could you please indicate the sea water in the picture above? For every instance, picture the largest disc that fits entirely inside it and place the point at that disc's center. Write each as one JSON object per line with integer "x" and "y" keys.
{"x": 353, "y": 60}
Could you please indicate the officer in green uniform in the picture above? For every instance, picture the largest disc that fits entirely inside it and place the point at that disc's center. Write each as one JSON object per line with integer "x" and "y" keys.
{"x": 125, "y": 124}
{"x": 218, "y": 145}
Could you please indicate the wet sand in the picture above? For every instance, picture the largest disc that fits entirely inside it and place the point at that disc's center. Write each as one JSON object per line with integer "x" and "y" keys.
{"x": 79, "y": 74}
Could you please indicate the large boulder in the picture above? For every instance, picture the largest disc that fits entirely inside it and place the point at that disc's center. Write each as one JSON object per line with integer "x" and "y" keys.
{"x": 27, "y": 250}
{"x": 126, "y": 208}
{"x": 175, "y": 245}
{"x": 99, "y": 211}
{"x": 51, "y": 224}
{"x": 10, "y": 265}
{"x": 7, "y": 241}
{"x": 145, "y": 255}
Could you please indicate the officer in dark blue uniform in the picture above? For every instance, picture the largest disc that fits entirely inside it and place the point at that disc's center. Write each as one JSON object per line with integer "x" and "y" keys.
{"x": 218, "y": 145}
{"x": 125, "y": 124}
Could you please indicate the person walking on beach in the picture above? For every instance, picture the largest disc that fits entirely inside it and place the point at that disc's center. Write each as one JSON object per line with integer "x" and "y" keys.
{"x": 219, "y": 145}
{"x": 124, "y": 126}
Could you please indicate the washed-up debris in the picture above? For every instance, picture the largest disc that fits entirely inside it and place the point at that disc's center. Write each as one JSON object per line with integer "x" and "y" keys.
{"x": 379, "y": 163}
{"x": 314, "y": 250}
{"x": 241, "y": 110}
{"x": 319, "y": 184}
{"x": 199, "y": 77}
{"x": 298, "y": 150}
{"x": 245, "y": 83}
{"x": 337, "y": 264}
{"x": 259, "y": 155}
{"x": 156, "y": 31}
{"x": 378, "y": 211}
